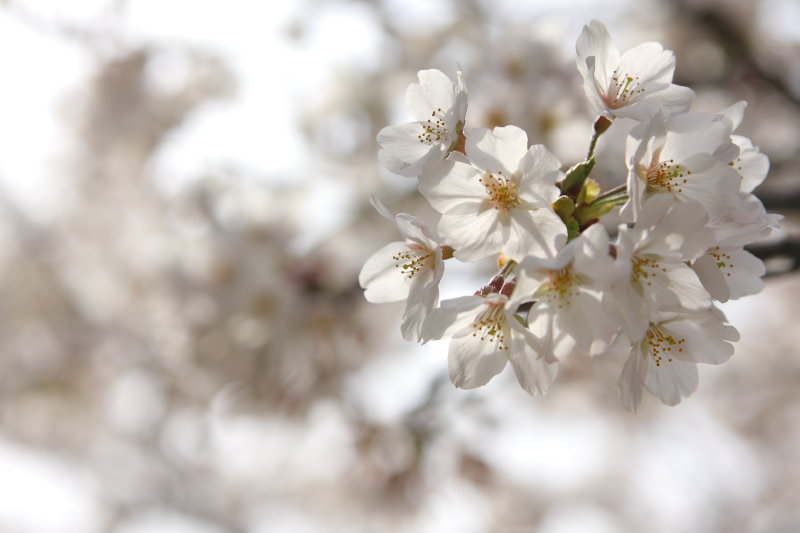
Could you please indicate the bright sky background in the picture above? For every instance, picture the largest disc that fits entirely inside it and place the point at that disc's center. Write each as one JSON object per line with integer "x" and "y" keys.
{"x": 256, "y": 131}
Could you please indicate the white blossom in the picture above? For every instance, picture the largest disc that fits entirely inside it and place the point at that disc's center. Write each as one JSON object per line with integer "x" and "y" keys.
{"x": 636, "y": 84}
{"x": 652, "y": 260}
{"x": 486, "y": 335}
{"x": 665, "y": 360}
{"x": 438, "y": 106}
{"x": 500, "y": 199}
{"x": 685, "y": 156}
{"x": 410, "y": 269}
{"x": 568, "y": 313}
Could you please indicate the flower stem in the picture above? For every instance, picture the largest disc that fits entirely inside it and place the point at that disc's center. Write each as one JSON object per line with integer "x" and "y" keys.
{"x": 616, "y": 191}
{"x": 600, "y": 126}
{"x": 611, "y": 200}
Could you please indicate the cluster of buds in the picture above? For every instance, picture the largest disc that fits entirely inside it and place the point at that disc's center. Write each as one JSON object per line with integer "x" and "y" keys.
{"x": 566, "y": 284}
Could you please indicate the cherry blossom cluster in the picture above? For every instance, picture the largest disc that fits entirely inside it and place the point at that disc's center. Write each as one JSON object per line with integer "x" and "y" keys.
{"x": 566, "y": 284}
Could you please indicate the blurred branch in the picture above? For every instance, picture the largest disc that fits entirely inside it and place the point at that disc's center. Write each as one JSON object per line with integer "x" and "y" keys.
{"x": 736, "y": 42}
{"x": 787, "y": 250}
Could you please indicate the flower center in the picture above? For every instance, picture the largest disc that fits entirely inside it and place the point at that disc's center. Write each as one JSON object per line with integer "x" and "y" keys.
{"x": 665, "y": 176}
{"x": 502, "y": 191}
{"x": 413, "y": 261}
{"x": 490, "y": 325}
{"x": 644, "y": 269}
{"x": 561, "y": 285}
{"x": 435, "y": 129}
{"x": 622, "y": 90}
{"x": 723, "y": 260}
{"x": 660, "y": 344}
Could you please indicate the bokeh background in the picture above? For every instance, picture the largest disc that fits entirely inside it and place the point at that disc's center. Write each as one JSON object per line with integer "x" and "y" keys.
{"x": 184, "y": 347}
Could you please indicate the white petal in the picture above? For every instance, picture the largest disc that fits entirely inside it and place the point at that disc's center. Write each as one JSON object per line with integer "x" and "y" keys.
{"x": 500, "y": 149}
{"x": 675, "y": 99}
{"x": 401, "y": 151}
{"x": 380, "y": 208}
{"x": 417, "y": 230}
{"x": 711, "y": 278}
{"x": 670, "y": 381}
{"x": 677, "y": 289}
{"x": 474, "y": 237}
{"x": 648, "y": 62}
{"x": 595, "y": 41}
{"x": 461, "y": 184}
{"x": 422, "y": 298}
{"x": 630, "y": 382}
{"x": 453, "y": 316}
{"x": 708, "y": 339}
{"x": 746, "y": 273}
{"x": 434, "y": 91}
{"x": 382, "y": 279}
{"x": 539, "y": 172}
{"x": 472, "y": 362}
{"x": 735, "y": 113}
{"x": 543, "y": 322}
{"x": 752, "y": 165}
{"x": 534, "y": 373}
{"x": 696, "y": 133}
{"x": 593, "y": 260}
{"x": 535, "y": 232}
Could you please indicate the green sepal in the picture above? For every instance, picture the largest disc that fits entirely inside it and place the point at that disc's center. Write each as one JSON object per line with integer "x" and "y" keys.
{"x": 564, "y": 207}
{"x": 586, "y": 213}
{"x": 573, "y": 229}
{"x": 576, "y": 176}
{"x": 589, "y": 191}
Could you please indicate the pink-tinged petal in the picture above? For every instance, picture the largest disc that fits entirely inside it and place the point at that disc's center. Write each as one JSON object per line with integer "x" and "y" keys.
{"x": 460, "y": 185}
{"x": 434, "y": 91}
{"x": 533, "y": 372}
{"x": 451, "y": 317}
{"x": 500, "y": 149}
{"x": 474, "y": 237}
{"x": 630, "y": 382}
{"x": 383, "y": 280}
{"x": 472, "y": 362}
{"x": 402, "y": 152}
